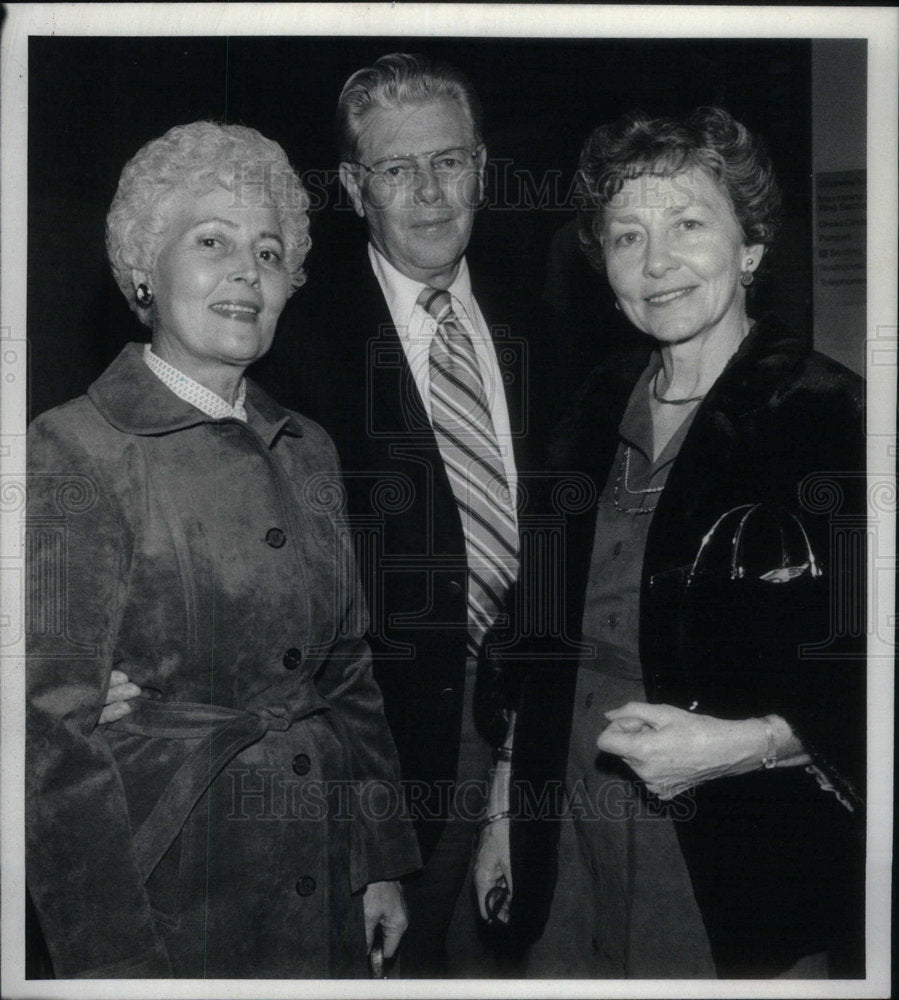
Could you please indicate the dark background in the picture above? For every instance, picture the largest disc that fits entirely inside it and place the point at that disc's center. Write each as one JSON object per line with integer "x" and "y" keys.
{"x": 94, "y": 101}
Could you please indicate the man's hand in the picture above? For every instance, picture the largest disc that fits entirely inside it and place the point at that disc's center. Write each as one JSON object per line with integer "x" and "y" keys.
{"x": 120, "y": 692}
{"x": 384, "y": 904}
{"x": 493, "y": 863}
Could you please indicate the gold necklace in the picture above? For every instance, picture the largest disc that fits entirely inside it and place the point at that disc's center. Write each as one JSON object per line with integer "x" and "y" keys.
{"x": 671, "y": 402}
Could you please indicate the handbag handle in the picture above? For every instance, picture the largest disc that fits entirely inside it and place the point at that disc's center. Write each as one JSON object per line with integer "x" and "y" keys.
{"x": 746, "y": 512}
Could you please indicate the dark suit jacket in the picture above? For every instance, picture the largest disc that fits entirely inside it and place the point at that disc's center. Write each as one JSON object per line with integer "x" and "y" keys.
{"x": 776, "y": 863}
{"x": 339, "y": 360}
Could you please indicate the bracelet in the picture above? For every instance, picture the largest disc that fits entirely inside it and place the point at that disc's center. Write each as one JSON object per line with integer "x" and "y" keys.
{"x": 770, "y": 758}
{"x": 494, "y": 818}
{"x": 502, "y": 754}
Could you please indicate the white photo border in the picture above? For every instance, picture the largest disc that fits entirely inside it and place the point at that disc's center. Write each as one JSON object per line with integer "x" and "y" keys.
{"x": 879, "y": 26}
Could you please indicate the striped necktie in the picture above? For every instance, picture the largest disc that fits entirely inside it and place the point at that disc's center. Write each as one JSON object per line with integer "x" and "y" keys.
{"x": 468, "y": 445}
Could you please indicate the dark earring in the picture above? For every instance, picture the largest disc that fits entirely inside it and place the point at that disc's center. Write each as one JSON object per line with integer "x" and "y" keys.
{"x": 746, "y": 278}
{"x": 144, "y": 296}
{"x": 617, "y": 305}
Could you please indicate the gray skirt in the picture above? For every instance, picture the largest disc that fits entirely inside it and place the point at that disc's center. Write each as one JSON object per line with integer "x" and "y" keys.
{"x": 624, "y": 906}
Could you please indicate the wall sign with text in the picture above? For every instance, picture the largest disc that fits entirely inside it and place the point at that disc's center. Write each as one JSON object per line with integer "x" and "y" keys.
{"x": 840, "y": 234}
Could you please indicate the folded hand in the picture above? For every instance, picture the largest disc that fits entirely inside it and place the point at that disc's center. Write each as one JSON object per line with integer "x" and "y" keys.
{"x": 672, "y": 750}
{"x": 121, "y": 690}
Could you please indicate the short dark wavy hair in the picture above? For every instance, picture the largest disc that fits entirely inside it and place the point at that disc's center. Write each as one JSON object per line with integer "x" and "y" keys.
{"x": 708, "y": 138}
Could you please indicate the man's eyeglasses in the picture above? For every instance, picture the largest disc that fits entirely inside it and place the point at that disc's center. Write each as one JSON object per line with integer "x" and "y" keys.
{"x": 446, "y": 164}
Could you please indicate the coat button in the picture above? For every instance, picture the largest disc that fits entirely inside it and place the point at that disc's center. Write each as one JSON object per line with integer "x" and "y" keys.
{"x": 616, "y": 551}
{"x": 447, "y": 693}
{"x": 454, "y": 587}
{"x": 305, "y": 886}
{"x": 588, "y": 701}
{"x": 292, "y": 658}
{"x": 612, "y": 620}
{"x": 301, "y": 764}
{"x": 275, "y": 537}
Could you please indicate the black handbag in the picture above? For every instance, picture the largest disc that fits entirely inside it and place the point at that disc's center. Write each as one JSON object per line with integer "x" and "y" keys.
{"x": 753, "y": 598}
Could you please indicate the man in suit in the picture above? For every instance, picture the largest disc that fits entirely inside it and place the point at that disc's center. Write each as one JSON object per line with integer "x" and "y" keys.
{"x": 436, "y": 534}
{"x": 361, "y": 363}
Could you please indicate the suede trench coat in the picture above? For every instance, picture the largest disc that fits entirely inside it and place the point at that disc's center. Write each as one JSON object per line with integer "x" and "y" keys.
{"x": 776, "y": 861}
{"x": 227, "y": 826}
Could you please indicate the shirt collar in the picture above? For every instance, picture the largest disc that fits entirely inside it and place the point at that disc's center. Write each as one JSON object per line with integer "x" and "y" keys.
{"x": 401, "y": 291}
{"x": 135, "y": 401}
{"x": 636, "y": 424}
{"x": 191, "y": 391}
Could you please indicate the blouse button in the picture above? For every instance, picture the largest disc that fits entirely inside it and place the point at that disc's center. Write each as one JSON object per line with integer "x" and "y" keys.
{"x": 305, "y": 886}
{"x": 292, "y": 659}
{"x": 275, "y": 537}
{"x": 301, "y": 764}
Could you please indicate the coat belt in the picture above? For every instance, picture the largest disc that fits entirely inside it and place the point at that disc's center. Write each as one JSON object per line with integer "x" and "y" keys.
{"x": 219, "y": 734}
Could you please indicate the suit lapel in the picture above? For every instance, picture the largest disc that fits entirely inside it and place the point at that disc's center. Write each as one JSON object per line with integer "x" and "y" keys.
{"x": 393, "y": 406}
{"x": 395, "y": 402}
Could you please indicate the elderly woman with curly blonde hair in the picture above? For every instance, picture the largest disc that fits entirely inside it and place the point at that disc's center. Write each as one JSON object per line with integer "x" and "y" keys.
{"x": 224, "y": 826}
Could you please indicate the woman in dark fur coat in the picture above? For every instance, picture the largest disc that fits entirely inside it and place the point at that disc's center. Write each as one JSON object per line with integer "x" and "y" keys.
{"x": 709, "y": 734}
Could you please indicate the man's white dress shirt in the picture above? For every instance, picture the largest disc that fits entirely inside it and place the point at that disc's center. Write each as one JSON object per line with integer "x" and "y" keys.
{"x": 416, "y": 328}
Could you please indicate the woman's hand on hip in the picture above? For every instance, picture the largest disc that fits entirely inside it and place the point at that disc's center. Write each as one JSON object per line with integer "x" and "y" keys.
{"x": 383, "y": 903}
{"x": 672, "y": 750}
